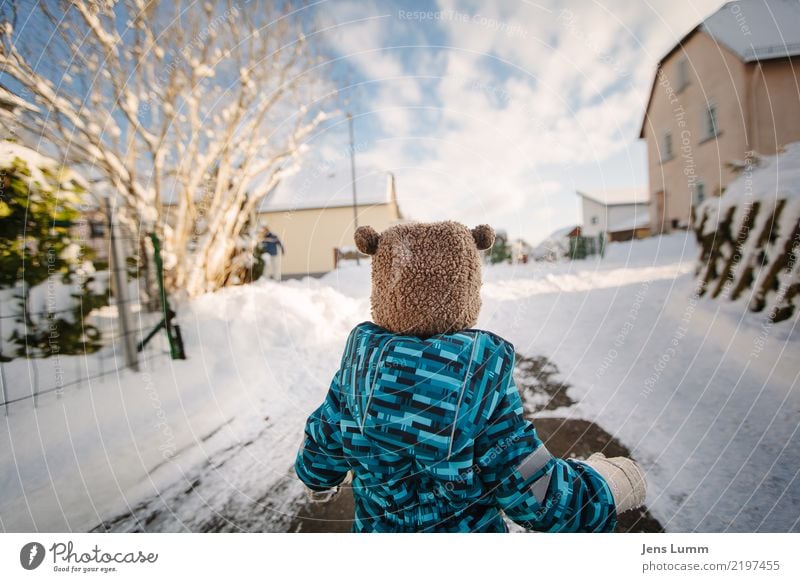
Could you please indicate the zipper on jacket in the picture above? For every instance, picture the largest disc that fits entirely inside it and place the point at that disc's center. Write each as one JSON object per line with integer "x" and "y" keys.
{"x": 374, "y": 381}
{"x": 467, "y": 377}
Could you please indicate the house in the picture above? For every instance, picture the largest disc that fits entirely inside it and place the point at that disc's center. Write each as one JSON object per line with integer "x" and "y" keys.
{"x": 619, "y": 214}
{"x": 315, "y": 236}
{"x": 92, "y": 230}
{"x": 728, "y": 89}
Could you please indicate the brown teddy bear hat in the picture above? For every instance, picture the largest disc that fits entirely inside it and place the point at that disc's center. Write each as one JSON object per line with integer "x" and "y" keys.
{"x": 426, "y": 277}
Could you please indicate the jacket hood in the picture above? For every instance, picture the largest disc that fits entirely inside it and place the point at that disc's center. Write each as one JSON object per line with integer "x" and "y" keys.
{"x": 421, "y": 399}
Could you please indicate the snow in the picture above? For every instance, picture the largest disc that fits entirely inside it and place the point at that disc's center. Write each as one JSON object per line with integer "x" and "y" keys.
{"x": 35, "y": 162}
{"x": 702, "y": 392}
{"x": 612, "y": 196}
{"x": 769, "y": 178}
{"x": 554, "y": 246}
{"x": 300, "y": 194}
{"x": 641, "y": 220}
{"x": 11, "y": 103}
{"x": 764, "y": 183}
{"x": 204, "y": 71}
{"x": 98, "y": 449}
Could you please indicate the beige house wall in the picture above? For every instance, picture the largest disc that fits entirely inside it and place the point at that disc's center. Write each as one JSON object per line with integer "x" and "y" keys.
{"x": 310, "y": 235}
{"x": 758, "y": 109}
{"x": 715, "y": 75}
{"x": 775, "y": 105}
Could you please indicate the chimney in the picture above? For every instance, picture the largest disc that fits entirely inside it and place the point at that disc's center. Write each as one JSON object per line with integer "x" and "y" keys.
{"x": 391, "y": 193}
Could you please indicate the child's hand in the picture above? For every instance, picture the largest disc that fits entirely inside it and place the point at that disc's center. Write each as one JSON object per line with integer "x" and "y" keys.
{"x": 323, "y": 496}
{"x": 625, "y": 478}
{"x": 329, "y": 494}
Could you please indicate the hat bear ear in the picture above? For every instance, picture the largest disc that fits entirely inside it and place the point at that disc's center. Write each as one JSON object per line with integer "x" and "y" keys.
{"x": 367, "y": 240}
{"x": 484, "y": 236}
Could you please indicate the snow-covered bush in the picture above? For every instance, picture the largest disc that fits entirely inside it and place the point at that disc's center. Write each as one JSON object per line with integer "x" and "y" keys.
{"x": 48, "y": 283}
{"x": 555, "y": 247}
{"x": 750, "y": 236}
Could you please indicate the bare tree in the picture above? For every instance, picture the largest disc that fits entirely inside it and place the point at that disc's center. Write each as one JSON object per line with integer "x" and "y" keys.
{"x": 189, "y": 113}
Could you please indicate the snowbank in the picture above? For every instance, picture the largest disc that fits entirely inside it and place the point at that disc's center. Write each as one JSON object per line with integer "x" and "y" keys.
{"x": 554, "y": 247}
{"x": 703, "y": 393}
{"x": 259, "y": 357}
{"x": 750, "y": 236}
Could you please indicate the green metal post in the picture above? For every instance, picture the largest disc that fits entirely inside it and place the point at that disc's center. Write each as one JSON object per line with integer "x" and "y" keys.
{"x": 173, "y": 334}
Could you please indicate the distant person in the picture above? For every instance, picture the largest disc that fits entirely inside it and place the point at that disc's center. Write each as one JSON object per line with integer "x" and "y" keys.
{"x": 269, "y": 254}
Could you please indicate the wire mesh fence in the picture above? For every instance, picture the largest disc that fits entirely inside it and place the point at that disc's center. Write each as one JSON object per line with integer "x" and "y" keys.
{"x": 29, "y": 378}
{"x": 125, "y": 326}
{"x": 98, "y": 362}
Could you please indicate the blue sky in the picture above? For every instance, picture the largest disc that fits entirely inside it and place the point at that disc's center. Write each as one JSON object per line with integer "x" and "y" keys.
{"x": 491, "y": 111}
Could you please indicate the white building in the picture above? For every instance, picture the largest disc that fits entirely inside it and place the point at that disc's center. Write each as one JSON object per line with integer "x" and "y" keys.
{"x": 315, "y": 233}
{"x": 622, "y": 214}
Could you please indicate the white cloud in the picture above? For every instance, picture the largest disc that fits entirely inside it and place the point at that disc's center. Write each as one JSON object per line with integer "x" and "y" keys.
{"x": 523, "y": 97}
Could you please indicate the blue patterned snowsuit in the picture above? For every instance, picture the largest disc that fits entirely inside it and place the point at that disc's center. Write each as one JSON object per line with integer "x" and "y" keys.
{"x": 434, "y": 434}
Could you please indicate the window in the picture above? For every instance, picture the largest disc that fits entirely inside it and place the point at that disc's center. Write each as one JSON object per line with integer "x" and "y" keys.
{"x": 666, "y": 147}
{"x": 97, "y": 229}
{"x": 683, "y": 74}
{"x": 594, "y": 220}
{"x": 699, "y": 192}
{"x": 712, "y": 127}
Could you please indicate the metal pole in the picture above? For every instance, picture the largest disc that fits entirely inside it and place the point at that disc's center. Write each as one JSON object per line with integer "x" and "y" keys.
{"x": 2, "y": 372}
{"x": 353, "y": 176}
{"x": 120, "y": 292}
{"x": 35, "y": 382}
{"x": 173, "y": 330}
